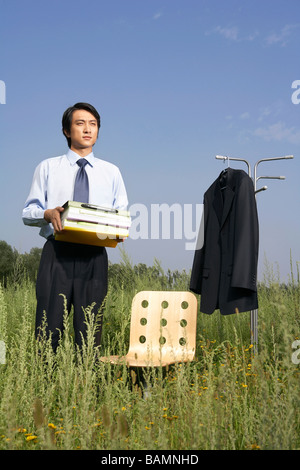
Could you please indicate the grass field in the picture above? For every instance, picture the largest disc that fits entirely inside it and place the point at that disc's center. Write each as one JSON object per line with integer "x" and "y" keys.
{"x": 227, "y": 398}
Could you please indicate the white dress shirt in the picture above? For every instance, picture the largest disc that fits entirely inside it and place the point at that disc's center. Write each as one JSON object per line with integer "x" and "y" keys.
{"x": 53, "y": 185}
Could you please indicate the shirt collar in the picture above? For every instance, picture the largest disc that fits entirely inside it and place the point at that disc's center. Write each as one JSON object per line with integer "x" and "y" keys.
{"x": 73, "y": 157}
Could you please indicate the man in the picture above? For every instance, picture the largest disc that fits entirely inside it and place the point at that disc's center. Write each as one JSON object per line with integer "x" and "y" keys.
{"x": 77, "y": 271}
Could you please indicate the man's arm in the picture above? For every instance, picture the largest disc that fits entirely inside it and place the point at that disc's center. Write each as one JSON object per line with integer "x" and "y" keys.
{"x": 35, "y": 212}
{"x": 35, "y": 204}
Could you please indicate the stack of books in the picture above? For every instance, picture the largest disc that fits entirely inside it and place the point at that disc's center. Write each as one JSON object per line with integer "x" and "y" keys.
{"x": 89, "y": 224}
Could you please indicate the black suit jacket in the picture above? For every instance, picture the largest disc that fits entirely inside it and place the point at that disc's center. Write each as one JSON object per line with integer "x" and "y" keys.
{"x": 225, "y": 267}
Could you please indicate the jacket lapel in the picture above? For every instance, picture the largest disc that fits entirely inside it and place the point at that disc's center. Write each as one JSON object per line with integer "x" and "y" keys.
{"x": 228, "y": 198}
{"x": 218, "y": 202}
{"x": 223, "y": 198}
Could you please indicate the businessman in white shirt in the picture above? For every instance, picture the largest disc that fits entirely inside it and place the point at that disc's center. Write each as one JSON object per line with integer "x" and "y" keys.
{"x": 77, "y": 271}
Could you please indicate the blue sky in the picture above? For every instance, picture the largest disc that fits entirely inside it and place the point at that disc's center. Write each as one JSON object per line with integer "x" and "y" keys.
{"x": 176, "y": 83}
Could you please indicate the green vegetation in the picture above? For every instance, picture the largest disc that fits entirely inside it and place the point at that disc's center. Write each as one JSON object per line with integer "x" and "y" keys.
{"x": 227, "y": 398}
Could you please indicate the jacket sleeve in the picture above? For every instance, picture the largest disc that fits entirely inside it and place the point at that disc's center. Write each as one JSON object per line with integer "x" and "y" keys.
{"x": 197, "y": 268}
{"x": 245, "y": 256}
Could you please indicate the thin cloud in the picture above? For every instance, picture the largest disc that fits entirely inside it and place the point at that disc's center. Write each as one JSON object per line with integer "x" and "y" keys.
{"x": 157, "y": 16}
{"x": 279, "y": 132}
{"x": 264, "y": 113}
{"x": 274, "y": 109}
{"x": 281, "y": 38}
{"x": 232, "y": 33}
{"x": 228, "y": 33}
{"x": 252, "y": 36}
{"x": 245, "y": 115}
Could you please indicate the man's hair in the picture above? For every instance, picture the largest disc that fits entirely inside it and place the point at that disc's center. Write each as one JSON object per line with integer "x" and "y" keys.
{"x": 68, "y": 114}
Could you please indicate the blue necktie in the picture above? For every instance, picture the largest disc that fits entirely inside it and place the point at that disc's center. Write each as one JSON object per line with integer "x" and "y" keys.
{"x": 81, "y": 188}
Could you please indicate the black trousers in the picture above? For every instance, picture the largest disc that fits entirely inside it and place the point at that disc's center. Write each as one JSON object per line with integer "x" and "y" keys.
{"x": 80, "y": 273}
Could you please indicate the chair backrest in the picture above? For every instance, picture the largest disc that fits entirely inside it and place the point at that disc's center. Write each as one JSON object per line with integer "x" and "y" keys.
{"x": 163, "y": 328}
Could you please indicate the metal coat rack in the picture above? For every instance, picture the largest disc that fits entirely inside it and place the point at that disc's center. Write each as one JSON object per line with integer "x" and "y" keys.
{"x": 255, "y": 178}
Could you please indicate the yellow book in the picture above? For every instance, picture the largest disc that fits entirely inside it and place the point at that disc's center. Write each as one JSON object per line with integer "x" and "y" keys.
{"x": 91, "y": 234}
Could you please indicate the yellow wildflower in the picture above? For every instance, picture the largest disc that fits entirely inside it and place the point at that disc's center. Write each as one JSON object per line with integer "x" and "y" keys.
{"x": 255, "y": 447}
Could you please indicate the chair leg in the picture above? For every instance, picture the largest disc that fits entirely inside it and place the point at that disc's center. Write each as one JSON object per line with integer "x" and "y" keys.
{"x": 139, "y": 381}
{"x": 142, "y": 378}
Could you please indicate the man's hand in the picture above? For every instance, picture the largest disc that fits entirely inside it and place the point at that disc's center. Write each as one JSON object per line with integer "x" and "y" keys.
{"x": 53, "y": 216}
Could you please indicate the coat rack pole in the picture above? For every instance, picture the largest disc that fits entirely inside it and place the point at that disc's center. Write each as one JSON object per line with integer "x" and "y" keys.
{"x": 253, "y": 313}
{"x": 220, "y": 157}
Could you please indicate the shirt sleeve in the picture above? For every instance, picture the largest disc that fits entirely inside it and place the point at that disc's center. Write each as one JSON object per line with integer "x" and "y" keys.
{"x": 35, "y": 204}
{"x": 120, "y": 194}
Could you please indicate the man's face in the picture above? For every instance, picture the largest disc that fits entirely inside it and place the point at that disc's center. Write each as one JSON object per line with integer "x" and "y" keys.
{"x": 84, "y": 130}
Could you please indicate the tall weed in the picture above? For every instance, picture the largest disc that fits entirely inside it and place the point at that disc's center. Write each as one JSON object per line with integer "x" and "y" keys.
{"x": 227, "y": 398}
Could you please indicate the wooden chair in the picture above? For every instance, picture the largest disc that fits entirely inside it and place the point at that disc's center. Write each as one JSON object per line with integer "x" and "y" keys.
{"x": 162, "y": 329}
